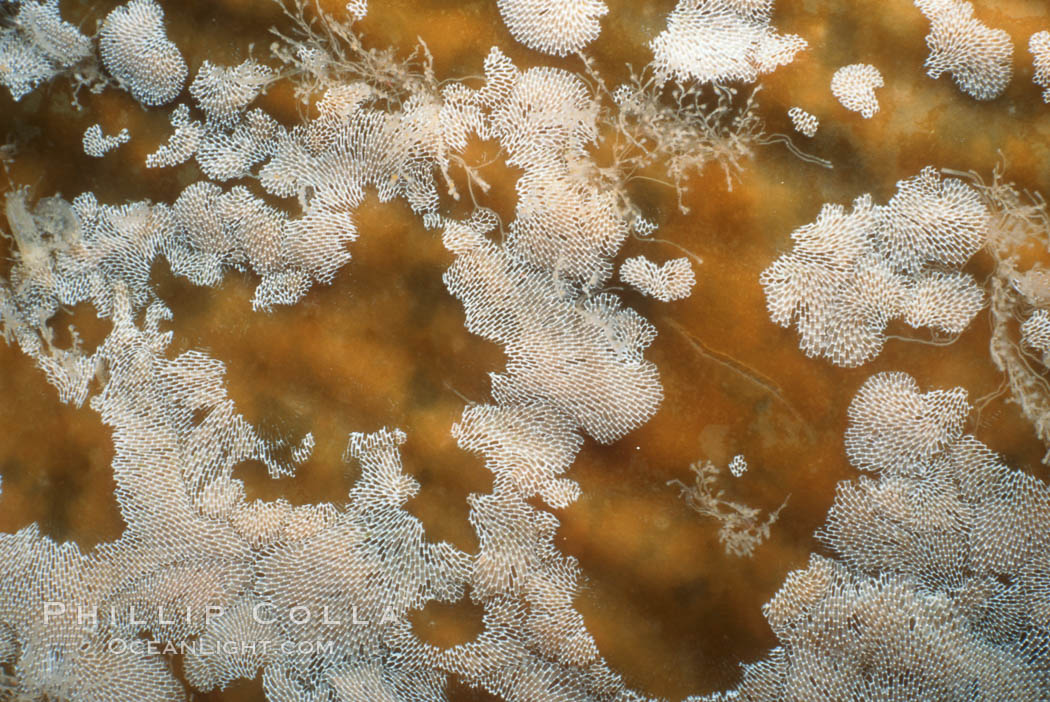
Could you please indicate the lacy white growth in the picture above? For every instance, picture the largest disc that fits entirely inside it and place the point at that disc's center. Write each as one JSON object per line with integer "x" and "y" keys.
{"x": 942, "y": 554}
{"x": 193, "y": 544}
{"x": 582, "y": 358}
{"x": 738, "y": 466}
{"x": 939, "y": 588}
{"x": 1039, "y": 45}
{"x": 575, "y": 364}
{"x": 538, "y": 113}
{"x": 945, "y": 301}
{"x": 224, "y": 92}
{"x": 804, "y": 123}
{"x": 182, "y": 143}
{"x": 528, "y": 446}
{"x": 546, "y": 119}
{"x": 722, "y": 40}
{"x": 892, "y": 425}
{"x": 97, "y": 144}
{"x": 226, "y": 155}
{"x": 930, "y": 219}
{"x": 978, "y": 57}
{"x": 854, "y": 87}
{"x": 357, "y": 9}
{"x": 849, "y": 274}
{"x": 37, "y": 46}
{"x": 326, "y": 164}
{"x": 1035, "y": 333}
{"x": 673, "y": 280}
{"x": 136, "y": 51}
{"x": 556, "y": 27}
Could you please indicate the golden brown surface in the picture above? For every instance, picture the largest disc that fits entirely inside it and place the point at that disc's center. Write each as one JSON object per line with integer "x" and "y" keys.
{"x": 385, "y": 344}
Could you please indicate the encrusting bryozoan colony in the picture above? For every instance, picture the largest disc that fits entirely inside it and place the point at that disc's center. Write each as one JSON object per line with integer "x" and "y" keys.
{"x": 937, "y": 589}
{"x": 556, "y": 27}
{"x": 137, "y": 53}
{"x": 38, "y": 45}
{"x": 673, "y": 280}
{"x": 98, "y": 144}
{"x": 1039, "y": 46}
{"x": 854, "y": 87}
{"x": 933, "y": 584}
{"x": 804, "y": 123}
{"x": 850, "y": 273}
{"x": 722, "y": 40}
{"x": 976, "y": 56}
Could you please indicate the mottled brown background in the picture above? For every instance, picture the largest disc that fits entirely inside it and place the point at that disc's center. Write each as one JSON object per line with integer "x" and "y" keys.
{"x": 385, "y": 344}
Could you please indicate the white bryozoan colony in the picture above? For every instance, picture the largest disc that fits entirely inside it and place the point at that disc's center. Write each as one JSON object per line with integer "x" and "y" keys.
{"x": 98, "y": 144}
{"x": 673, "y": 280}
{"x": 136, "y": 51}
{"x": 804, "y": 123}
{"x": 937, "y": 588}
{"x": 722, "y": 40}
{"x": 851, "y": 272}
{"x": 978, "y": 57}
{"x": 556, "y": 27}
{"x": 1039, "y": 46}
{"x": 854, "y": 87}
{"x": 934, "y": 586}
